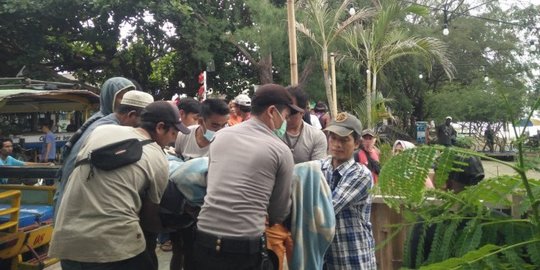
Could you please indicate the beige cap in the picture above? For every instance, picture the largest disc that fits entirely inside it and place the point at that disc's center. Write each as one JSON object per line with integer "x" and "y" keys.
{"x": 344, "y": 124}
{"x": 137, "y": 98}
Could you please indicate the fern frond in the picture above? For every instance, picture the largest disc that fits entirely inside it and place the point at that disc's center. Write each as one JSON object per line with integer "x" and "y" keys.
{"x": 473, "y": 256}
{"x": 436, "y": 249}
{"x": 449, "y": 238}
{"x": 403, "y": 177}
{"x": 533, "y": 251}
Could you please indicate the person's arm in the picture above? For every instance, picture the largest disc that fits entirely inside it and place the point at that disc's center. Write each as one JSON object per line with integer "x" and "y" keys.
{"x": 149, "y": 216}
{"x": 279, "y": 206}
{"x": 149, "y": 213}
{"x": 321, "y": 146}
{"x": 349, "y": 188}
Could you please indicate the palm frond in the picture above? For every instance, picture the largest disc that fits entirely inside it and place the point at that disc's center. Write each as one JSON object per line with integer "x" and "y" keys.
{"x": 304, "y": 30}
{"x": 360, "y": 15}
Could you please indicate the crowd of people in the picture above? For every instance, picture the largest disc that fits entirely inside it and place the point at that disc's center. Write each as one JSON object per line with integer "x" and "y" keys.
{"x": 110, "y": 218}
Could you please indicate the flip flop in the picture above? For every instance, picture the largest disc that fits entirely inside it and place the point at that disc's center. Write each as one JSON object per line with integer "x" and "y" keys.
{"x": 167, "y": 246}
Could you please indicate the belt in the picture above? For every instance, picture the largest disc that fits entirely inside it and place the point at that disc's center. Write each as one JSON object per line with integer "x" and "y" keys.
{"x": 221, "y": 244}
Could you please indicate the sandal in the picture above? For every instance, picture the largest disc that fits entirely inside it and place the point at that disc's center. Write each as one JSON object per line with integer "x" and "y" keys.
{"x": 167, "y": 246}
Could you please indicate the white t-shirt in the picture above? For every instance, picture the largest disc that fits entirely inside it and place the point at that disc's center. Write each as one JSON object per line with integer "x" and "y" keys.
{"x": 98, "y": 218}
{"x": 315, "y": 121}
{"x": 186, "y": 145}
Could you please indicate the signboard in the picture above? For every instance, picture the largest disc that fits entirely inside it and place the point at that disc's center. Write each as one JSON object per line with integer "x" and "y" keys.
{"x": 35, "y": 141}
{"x": 421, "y": 132}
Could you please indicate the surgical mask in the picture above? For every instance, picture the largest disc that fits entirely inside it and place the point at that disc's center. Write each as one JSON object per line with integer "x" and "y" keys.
{"x": 280, "y": 132}
{"x": 209, "y": 135}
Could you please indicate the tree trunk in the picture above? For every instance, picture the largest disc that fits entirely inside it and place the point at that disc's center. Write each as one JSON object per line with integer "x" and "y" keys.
{"x": 327, "y": 85}
{"x": 368, "y": 96}
{"x": 373, "y": 94}
{"x": 264, "y": 68}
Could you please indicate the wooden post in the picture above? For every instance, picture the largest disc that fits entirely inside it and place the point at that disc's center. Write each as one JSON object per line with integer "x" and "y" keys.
{"x": 291, "y": 19}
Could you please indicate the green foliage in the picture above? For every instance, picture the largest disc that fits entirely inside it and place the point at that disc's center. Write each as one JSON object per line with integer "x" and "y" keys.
{"x": 466, "y": 230}
{"x": 466, "y": 142}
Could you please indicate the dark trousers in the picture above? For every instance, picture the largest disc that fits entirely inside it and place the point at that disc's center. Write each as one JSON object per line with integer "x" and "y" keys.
{"x": 216, "y": 253}
{"x": 151, "y": 244}
{"x": 139, "y": 262}
{"x": 209, "y": 259}
{"x": 182, "y": 248}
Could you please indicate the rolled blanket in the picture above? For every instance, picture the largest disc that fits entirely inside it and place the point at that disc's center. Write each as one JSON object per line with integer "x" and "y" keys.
{"x": 190, "y": 178}
{"x": 313, "y": 218}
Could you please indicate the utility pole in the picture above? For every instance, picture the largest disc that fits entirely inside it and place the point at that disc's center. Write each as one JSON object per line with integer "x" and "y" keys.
{"x": 291, "y": 19}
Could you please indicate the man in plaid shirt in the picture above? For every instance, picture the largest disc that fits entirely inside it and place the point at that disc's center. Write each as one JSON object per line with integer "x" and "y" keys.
{"x": 353, "y": 246}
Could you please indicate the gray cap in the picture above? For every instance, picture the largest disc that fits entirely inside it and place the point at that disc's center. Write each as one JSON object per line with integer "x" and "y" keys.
{"x": 344, "y": 124}
{"x": 368, "y": 132}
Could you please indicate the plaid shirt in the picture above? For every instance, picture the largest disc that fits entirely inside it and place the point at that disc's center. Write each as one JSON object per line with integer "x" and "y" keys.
{"x": 353, "y": 246}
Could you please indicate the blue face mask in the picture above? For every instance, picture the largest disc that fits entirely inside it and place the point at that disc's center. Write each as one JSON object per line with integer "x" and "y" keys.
{"x": 209, "y": 135}
{"x": 280, "y": 132}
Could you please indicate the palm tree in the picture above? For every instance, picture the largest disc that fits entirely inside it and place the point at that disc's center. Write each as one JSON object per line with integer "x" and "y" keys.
{"x": 383, "y": 40}
{"x": 323, "y": 25}
{"x": 378, "y": 108}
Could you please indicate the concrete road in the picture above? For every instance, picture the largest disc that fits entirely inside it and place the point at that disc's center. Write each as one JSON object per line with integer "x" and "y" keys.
{"x": 494, "y": 169}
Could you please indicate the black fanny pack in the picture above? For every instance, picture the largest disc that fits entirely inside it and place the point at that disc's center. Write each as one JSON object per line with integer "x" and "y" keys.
{"x": 115, "y": 155}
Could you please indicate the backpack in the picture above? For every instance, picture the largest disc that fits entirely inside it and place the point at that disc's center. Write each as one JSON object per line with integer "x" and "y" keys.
{"x": 372, "y": 164}
{"x": 115, "y": 155}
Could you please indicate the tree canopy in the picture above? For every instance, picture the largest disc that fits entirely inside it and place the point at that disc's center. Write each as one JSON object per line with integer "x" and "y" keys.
{"x": 164, "y": 45}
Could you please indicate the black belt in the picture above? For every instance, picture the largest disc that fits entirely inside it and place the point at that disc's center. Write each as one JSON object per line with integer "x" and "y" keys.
{"x": 221, "y": 244}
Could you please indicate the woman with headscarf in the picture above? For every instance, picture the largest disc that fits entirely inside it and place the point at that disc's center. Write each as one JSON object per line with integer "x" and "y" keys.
{"x": 400, "y": 146}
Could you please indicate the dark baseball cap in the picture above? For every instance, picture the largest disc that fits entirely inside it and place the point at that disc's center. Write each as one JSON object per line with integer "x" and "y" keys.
{"x": 344, "y": 124}
{"x": 273, "y": 94}
{"x": 163, "y": 111}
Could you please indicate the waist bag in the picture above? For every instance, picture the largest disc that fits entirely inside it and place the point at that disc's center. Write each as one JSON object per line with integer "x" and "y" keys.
{"x": 115, "y": 155}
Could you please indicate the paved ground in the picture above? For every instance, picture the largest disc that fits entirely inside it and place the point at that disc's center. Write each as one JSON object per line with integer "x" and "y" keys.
{"x": 492, "y": 169}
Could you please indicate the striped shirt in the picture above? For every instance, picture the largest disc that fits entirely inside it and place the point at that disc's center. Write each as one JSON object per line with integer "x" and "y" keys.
{"x": 353, "y": 246}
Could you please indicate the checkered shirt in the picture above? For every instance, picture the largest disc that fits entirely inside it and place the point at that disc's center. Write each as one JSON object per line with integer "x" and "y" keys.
{"x": 353, "y": 246}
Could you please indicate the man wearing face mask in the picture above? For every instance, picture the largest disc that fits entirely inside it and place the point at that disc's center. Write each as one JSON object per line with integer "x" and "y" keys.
{"x": 213, "y": 117}
{"x": 249, "y": 179}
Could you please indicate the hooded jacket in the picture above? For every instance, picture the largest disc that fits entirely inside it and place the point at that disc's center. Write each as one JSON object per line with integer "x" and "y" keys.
{"x": 109, "y": 91}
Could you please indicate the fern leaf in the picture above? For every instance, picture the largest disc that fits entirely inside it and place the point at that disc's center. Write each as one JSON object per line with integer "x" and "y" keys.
{"x": 455, "y": 263}
{"x": 435, "y": 252}
{"x": 448, "y": 240}
{"x": 533, "y": 251}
